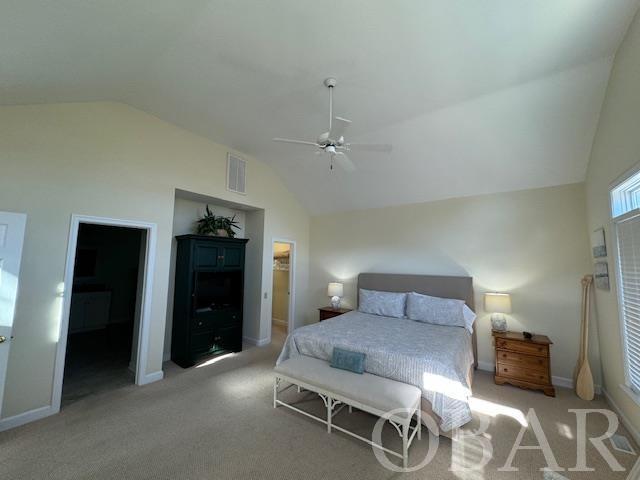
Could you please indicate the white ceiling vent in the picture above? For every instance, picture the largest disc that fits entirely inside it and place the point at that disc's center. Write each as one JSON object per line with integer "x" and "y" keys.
{"x": 236, "y": 174}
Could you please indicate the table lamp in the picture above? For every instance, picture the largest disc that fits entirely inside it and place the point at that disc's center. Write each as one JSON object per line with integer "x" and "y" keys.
{"x": 335, "y": 291}
{"x": 498, "y": 304}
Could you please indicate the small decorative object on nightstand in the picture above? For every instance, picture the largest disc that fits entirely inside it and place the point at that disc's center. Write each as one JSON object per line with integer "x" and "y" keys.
{"x": 330, "y": 312}
{"x": 523, "y": 362}
{"x": 335, "y": 291}
{"x": 497, "y": 304}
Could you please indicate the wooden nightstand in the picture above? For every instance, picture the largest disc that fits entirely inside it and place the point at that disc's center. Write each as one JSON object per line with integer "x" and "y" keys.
{"x": 522, "y": 362}
{"x": 330, "y": 312}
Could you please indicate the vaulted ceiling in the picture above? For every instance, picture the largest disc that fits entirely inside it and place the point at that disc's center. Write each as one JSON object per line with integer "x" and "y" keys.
{"x": 475, "y": 96}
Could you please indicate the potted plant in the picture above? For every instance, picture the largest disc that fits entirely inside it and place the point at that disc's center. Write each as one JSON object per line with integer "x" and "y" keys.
{"x": 217, "y": 226}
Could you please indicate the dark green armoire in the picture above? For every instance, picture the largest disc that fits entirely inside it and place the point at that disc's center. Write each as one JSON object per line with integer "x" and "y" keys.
{"x": 207, "y": 310}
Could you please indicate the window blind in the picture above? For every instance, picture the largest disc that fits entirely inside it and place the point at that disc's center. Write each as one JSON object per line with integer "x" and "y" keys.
{"x": 628, "y": 234}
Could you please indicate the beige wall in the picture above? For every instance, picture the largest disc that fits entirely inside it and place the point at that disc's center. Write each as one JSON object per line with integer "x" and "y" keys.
{"x": 530, "y": 243}
{"x": 107, "y": 159}
{"x": 280, "y": 295}
{"x": 616, "y": 148}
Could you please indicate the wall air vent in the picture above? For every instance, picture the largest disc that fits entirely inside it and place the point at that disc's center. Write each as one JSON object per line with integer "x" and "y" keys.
{"x": 236, "y": 174}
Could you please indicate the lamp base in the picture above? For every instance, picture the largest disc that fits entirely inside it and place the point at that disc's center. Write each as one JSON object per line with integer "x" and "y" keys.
{"x": 335, "y": 302}
{"x": 498, "y": 323}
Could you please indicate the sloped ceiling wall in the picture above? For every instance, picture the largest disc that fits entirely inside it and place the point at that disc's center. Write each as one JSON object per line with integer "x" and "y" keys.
{"x": 476, "y": 97}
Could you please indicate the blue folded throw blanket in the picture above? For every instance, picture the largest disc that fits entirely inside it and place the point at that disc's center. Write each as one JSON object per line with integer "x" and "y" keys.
{"x": 347, "y": 360}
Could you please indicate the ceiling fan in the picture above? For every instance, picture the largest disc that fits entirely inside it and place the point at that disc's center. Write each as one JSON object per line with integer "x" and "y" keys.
{"x": 333, "y": 142}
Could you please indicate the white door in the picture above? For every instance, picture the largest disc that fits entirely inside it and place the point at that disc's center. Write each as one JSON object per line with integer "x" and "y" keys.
{"x": 11, "y": 239}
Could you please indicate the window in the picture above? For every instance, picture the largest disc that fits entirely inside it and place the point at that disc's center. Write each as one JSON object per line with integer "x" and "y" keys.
{"x": 625, "y": 210}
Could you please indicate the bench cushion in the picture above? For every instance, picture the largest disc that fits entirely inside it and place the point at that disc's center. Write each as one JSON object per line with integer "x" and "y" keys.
{"x": 380, "y": 393}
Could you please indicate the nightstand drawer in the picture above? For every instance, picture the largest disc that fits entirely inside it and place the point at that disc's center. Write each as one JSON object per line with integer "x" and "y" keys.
{"x": 522, "y": 373}
{"x": 522, "y": 347}
{"x": 532, "y": 362}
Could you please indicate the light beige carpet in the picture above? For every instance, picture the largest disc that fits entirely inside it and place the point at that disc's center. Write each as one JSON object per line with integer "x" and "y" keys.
{"x": 217, "y": 422}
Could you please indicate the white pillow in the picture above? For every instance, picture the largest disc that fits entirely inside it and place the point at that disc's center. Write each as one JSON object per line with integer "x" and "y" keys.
{"x": 440, "y": 311}
{"x": 469, "y": 317}
{"x": 387, "y": 304}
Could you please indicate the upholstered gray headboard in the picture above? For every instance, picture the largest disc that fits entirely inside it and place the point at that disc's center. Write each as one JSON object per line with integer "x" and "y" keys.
{"x": 460, "y": 288}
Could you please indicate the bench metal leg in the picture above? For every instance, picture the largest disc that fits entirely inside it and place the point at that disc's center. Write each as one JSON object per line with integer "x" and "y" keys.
{"x": 419, "y": 422}
{"x": 329, "y": 404}
{"x": 276, "y": 381}
{"x": 404, "y": 427}
{"x": 405, "y": 443}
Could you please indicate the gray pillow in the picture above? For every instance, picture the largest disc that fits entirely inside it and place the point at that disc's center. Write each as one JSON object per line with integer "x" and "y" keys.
{"x": 436, "y": 310}
{"x": 387, "y": 304}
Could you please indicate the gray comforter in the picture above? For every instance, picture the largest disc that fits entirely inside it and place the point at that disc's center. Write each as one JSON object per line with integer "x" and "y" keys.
{"x": 434, "y": 358}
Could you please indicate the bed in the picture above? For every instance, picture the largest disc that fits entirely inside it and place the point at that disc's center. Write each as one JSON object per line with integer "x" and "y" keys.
{"x": 439, "y": 360}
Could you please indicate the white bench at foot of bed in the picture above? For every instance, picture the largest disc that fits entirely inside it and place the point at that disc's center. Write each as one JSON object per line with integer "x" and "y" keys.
{"x": 366, "y": 392}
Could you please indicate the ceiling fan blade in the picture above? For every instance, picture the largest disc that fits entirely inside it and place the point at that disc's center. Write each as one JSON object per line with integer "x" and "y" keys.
{"x": 344, "y": 162}
{"x": 369, "y": 147}
{"x": 297, "y": 142}
{"x": 338, "y": 128}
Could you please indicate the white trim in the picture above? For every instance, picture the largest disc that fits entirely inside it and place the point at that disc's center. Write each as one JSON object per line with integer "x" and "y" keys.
{"x": 292, "y": 282}
{"x": 630, "y": 393}
{"x": 145, "y": 312}
{"x": 618, "y": 282}
{"x": 26, "y": 417}
{"x": 257, "y": 342}
{"x": 624, "y": 176}
{"x": 151, "y": 377}
{"x": 486, "y": 366}
{"x": 625, "y": 420}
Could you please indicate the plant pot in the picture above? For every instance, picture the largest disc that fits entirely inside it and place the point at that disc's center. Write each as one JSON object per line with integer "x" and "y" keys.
{"x": 221, "y": 232}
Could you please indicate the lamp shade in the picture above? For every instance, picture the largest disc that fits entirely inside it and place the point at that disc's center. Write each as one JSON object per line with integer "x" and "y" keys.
{"x": 335, "y": 290}
{"x": 497, "y": 302}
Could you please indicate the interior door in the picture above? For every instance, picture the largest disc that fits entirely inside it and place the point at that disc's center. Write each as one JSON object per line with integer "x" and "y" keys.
{"x": 11, "y": 238}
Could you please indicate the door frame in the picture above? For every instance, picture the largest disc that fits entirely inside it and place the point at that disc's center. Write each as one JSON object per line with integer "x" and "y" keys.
{"x": 151, "y": 229}
{"x": 292, "y": 284}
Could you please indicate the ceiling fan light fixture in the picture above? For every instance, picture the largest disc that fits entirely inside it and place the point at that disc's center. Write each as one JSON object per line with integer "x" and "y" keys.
{"x": 333, "y": 141}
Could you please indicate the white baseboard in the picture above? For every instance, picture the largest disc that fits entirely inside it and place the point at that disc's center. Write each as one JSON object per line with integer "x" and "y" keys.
{"x": 557, "y": 381}
{"x": 258, "y": 343}
{"x": 152, "y": 377}
{"x": 486, "y": 366}
{"x": 26, "y": 417}
{"x": 48, "y": 410}
{"x": 624, "y": 419}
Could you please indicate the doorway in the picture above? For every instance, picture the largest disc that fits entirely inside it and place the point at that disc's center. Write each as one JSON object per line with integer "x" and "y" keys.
{"x": 106, "y": 311}
{"x": 281, "y": 297}
{"x": 104, "y": 297}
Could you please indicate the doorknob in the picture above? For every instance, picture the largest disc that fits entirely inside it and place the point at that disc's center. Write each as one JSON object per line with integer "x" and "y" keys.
{"x": 3, "y": 339}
